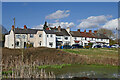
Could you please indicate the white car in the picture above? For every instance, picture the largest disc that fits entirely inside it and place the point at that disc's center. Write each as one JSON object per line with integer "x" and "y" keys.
{"x": 115, "y": 46}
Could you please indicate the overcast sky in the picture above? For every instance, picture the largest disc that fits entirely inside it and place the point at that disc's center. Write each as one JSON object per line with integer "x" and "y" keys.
{"x": 83, "y": 15}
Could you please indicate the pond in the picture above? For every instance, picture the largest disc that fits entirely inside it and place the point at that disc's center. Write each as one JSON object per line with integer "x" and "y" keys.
{"x": 90, "y": 71}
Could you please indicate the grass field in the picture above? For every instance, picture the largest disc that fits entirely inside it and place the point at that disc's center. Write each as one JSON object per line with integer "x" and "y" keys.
{"x": 96, "y": 54}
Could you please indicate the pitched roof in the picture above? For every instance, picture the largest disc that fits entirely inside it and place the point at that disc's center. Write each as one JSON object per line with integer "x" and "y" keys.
{"x": 81, "y": 34}
{"x": 87, "y": 34}
{"x": 76, "y": 34}
{"x": 49, "y": 32}
{"x": 63, "y": 32}
{"x": 26, "y": 31}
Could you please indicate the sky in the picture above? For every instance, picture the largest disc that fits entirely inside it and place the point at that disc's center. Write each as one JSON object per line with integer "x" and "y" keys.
{"x": 76, "y": 15}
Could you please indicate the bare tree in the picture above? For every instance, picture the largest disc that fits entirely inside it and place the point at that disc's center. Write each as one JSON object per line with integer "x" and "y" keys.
{"x": 106, "y": 32}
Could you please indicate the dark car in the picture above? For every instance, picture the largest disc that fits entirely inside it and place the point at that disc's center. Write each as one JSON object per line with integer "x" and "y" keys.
{"x": 97, "y": 46}
{"x": 105, "y": 46}
{"x": 66, "y": 47}
{"x": 77, "y": 46}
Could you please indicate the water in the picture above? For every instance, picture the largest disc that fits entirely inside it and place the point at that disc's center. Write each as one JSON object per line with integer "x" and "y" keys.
{"x": 90, "y": 71}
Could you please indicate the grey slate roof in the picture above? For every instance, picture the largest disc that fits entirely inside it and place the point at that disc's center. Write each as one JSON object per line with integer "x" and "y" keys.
{"x": 90, "y": 35}
{"x": 75, "y": 34}
{"x": 26, "y": 31}
{"x": 49, "y": 32}
{"x": 63, "y": 32}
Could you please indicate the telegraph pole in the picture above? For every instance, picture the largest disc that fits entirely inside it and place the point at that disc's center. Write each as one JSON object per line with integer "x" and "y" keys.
{"x": 14, "y": 32}
{"x": 14, "y": 21}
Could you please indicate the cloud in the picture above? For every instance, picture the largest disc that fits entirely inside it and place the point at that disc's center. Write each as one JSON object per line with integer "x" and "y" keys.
{"x": 38, "y": 27}
{"x": 93, "y": 21}
{"x": 62, "y": 24}
{"x": 58, "y": 14}
{"x": 112, "y": 24}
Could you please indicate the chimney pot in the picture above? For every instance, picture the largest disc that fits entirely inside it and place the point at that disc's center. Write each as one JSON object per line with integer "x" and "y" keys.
{"x": 79, "y": 30}
{"x": 25, "y": 27}
{"x": 13, "y": 27}
{"x": 59, "y": 28}
{"x": 95, "y": 31}
{"x": 84, "y": 30}
{"x": 47, "y": 28}
{"x": 90, "y": 31}
{"x": 68, "y": 29}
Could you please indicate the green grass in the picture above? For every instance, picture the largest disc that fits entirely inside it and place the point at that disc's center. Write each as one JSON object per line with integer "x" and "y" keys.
{"x": 6, "y": 72}
{"x": 53, "y": 66}
{"x": 95, "y": 52}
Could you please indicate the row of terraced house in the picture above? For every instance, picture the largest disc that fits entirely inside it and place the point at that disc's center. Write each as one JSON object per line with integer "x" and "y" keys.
{"x": 52, "y": 37}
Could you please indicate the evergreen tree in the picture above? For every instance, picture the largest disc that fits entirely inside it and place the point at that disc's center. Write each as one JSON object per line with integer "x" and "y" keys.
{"x": 45, "y": 26}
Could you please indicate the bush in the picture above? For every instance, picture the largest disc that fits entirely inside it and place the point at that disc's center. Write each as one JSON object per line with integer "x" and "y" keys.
{"x": 90, "y": 44}
{"x": 87, "y": 46}
{"x": 29, "y": 45}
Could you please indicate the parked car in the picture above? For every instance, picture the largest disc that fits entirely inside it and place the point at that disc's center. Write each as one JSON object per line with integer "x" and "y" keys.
{"x": 66, "y": 47}
{"x": 97, "y": 46}
{"x": 105, "y": 46}
{"x": 57, "y": 47}
{"x": 77, "y": 46}
{"x": 115, "y": 46}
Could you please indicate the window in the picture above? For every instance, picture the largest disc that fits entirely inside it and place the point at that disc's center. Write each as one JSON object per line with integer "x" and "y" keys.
{"x": 17, "y": 43}
{"x": 51, "y": 35}
{"x": 47, "y": 35}
{"x": 40, "y": 35}
{"x": 23, "y": 36}
{"x": 31, "y": 35}
{"x": 66, "y": 38}
{"x": 58, "y": 37}
{"x": 51, "y": 44}
{"x": 75, "y": 38}
{"x": 40, "y": 43}
{"x": 17, "y": 36}
{"x": 85, "y": 38}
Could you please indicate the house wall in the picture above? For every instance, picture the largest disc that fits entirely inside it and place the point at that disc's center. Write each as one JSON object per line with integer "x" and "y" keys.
{"x": 52, "y": 40}
{"x": 36, "y": 39}
{"x": 21, "y": 38}
{"x": 9, "y": 40}
{"x": 64, "y": 41}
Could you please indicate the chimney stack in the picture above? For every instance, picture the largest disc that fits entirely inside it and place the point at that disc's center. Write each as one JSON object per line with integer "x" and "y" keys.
{"x": 25, "y": 27}
{"x": 59, "y": 28}
{"x": 13, "y": 27}
{"x": 85, "y": 31}
{"x": 90, "y": 31}
{"x": 55, "y": 27}
{"x": 79, "y": 30}
{"x": 68, "y": 29}
{"x": 95, "y": 31}
{"x": 47, "y": 28}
